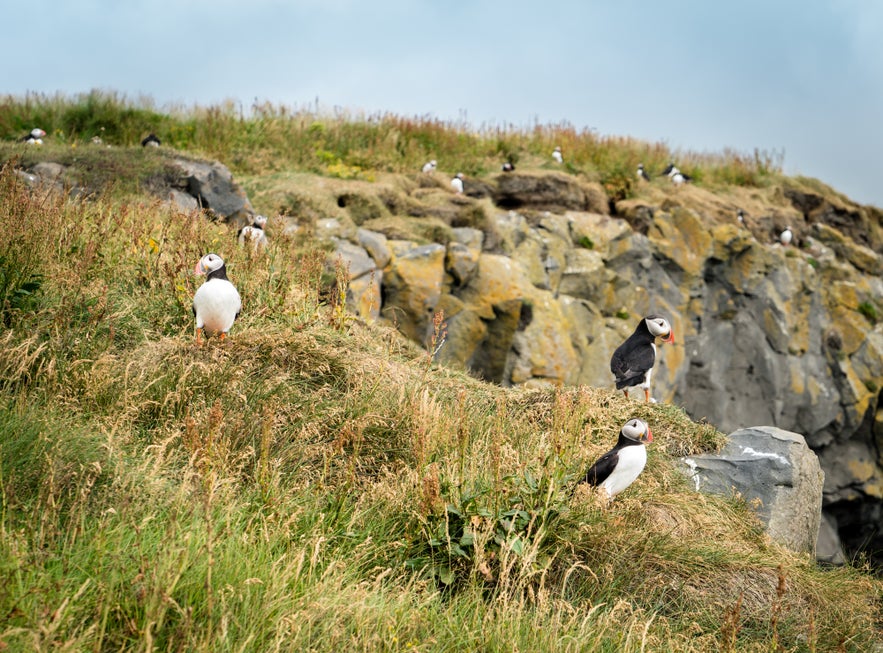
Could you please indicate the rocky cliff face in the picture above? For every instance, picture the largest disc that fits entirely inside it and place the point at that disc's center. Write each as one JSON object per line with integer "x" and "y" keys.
{"x": 539, "y": 283}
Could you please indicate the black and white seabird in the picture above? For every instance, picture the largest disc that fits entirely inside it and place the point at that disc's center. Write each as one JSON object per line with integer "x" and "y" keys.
{"x": 619, "y": 467}
{"x": 216, "y": 303}
{"x": 151, "y": 140}
{"x": 507, "y": 166}
{"x": 642, "y": 174}
{"x": 457, "y": 183}
{"x": 632, "y": 362}
{"x": 667, "y": 171}
{"x": 430, "y": 166}
{"x": 786, "y": 236}
{"x": 556, "y": 154}
{"x": 740, "y": 216}
{"x": 254, "y": 233}
{"x": 678, "y": 177}
{"x": 34, "y": 137}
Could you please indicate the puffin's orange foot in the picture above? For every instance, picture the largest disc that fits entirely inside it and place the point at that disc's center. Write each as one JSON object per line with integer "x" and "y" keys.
{"x": 223, "y": 336}
{"x": 626, "y": 393}
{"x": 199, "y": 337}
{"x": 647, "y": 395}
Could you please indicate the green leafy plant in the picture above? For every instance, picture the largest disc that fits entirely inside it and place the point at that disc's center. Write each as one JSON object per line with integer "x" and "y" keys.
{"x": 869, "y": 311}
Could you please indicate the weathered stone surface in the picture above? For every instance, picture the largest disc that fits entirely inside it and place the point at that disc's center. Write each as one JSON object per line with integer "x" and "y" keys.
{"x": 375, "y": 244}
{"x": 354, "y": 259}
{"x": 553, "y": 191}
{"x": 182, "y": 201}
{"x": 413, "y": 287}
{"x": 774, "y": 467}
{"x": 211, "y": 183}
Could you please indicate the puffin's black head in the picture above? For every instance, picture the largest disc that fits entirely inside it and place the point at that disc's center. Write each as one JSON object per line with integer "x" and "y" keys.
{"x": 659, "y": 327}
{"x": 637, "y": 430}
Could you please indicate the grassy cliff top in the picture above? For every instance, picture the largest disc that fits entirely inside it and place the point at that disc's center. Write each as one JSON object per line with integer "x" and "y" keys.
{"x": 316, "y": 483}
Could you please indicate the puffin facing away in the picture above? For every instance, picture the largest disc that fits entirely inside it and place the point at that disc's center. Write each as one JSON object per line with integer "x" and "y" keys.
{"x": 151, "y": 140}
{"x": 632, "y": 362}
{"x": 619, "y": 467}
{"x": 457, "y": 183}
{"x": 216, "y": 303}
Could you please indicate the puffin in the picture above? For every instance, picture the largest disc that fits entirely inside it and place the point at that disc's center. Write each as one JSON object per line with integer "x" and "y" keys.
{"x": 507, "y": 166}
{"x": 786, "y": 236}
{"x": 254, "y": 233}
{"x": 642, "y": 174}
{"x": 678, "y": 177}
{"x": 151, "y": 140}
{"x": 457, "y": 183}
{"x": 556, "y": 154}
{"x": 740, "y": 216}
{"x": 34, "y": 137}
{"x": 430, "y": 166}
{"x": 619, "y": 467}
{"x": 216, "y": 303}
{"x": 632, "y": 362}
{"x": 669, "y": 168}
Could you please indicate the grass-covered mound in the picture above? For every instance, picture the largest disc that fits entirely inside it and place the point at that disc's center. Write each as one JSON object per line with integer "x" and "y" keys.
{"x": 315, "y": 483}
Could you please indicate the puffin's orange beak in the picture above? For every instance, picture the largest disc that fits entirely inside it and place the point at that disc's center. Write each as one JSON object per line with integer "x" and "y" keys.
{"x": 649, "y": 437}
{"x": 670, "y": 338}
{"x": 198, "y": 269}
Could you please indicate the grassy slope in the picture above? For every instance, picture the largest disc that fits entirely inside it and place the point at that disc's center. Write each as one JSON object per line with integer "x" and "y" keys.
{"x": 316, "y": 484}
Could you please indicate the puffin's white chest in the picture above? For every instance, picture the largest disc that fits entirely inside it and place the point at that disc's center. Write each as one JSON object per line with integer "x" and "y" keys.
{"x": 632, "y": 460}
{"x": 216, "y": 303}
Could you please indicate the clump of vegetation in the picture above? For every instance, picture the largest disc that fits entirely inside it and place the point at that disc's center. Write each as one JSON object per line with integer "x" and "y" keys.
{"x": 868, "y": 309}
{"x": 318, "y": 483}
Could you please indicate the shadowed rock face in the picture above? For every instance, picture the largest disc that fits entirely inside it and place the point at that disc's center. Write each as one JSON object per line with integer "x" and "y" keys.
{"x": 542, "y": 285}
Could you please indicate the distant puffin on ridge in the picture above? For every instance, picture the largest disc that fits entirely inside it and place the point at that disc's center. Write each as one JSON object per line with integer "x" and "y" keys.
{"x": 507, "y": 166}
{"x": 34, "y": 137}
{"x": 216, "y": 303}
{"x": 556, "y": 154}
{"x": 642, "y": 174}
{"x": 430, "y": 166}
{"x": 678, "y": 177}
{"x": 151, "y": 140}
{"x": 619, "y": 467}
{"x": 632, "y": 362}
{"x": 457, "y": 183}
{"x": 786, "y": 236}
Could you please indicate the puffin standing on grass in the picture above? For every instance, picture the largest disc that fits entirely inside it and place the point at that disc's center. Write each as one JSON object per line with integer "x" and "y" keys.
{"x": 632, "y": 362}
{"x": 619, "y": 467}
{"x": 254, "y": 233}
{"x": 216, "y": 303}
{"x": 642, "y": 174}
{"x": 556, "y": 154}
{"x": 457, "y": 183}
{"x": 151, "y": 140}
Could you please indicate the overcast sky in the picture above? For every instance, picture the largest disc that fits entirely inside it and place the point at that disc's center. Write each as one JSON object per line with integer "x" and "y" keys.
{"x": 803, "y": 77}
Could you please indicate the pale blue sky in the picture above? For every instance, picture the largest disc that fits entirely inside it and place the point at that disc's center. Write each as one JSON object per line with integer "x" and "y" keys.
{"x": 803, "y": 77}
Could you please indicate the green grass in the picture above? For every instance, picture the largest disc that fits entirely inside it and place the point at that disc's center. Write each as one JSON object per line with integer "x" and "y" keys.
{"x": 266, "y": 138}
{"x": 316, "y": 483}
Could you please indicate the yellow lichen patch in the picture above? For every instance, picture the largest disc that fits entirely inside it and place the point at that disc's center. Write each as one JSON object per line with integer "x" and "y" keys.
{"x": 683, "y": 238}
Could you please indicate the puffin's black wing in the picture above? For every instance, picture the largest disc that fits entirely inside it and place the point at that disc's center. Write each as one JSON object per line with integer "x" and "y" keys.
{"x": 630, "y": 363}
{"x": 599, "y": 472}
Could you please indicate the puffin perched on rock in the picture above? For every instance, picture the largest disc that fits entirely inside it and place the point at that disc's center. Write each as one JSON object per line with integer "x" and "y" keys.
{"x": 33, "y": 137}
{"x": 632, "y": 362}
{"x": 216, "y": 303}
{"x": 619, "y": 467}
{"x": 786, "y": 236}
{"x": 254, "y": 232}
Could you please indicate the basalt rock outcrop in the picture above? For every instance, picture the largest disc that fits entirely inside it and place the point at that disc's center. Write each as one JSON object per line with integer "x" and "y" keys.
{"x": 539, "y": 282}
